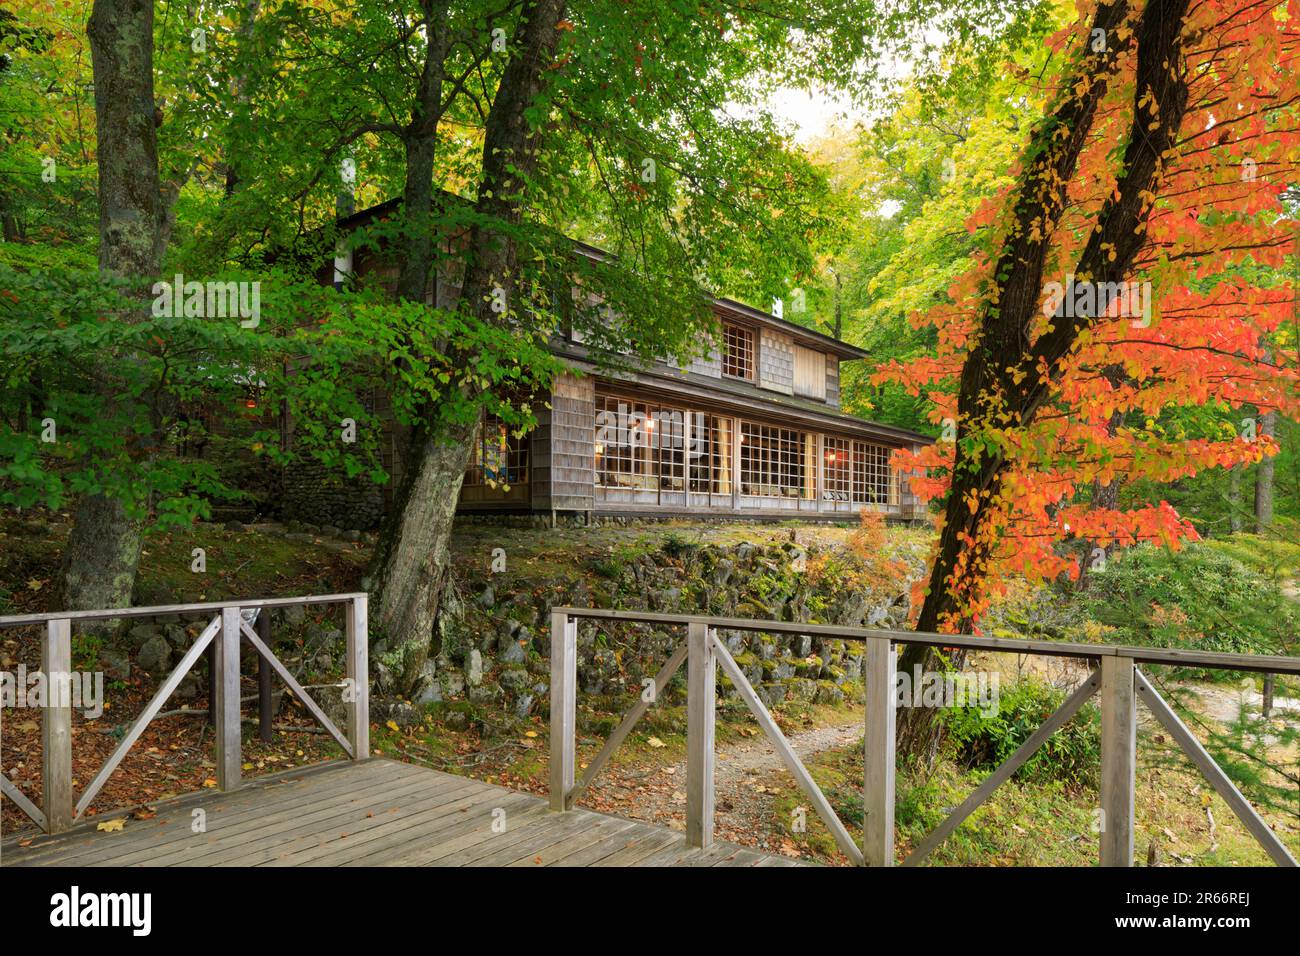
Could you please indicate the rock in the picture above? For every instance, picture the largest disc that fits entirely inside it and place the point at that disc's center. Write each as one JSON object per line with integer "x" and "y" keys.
{"x": 452, "y": 682}
{"x": 488, "y": 597}
{"x": 524, "y": 706}
{"x": 802, "y": 689}
{"x": 513, "y": 679}
{"x": 300, "y": 537}
{"x": 828, "y": 693}
{"x": 486, "y": 695}
{"x": 156, "y": 655}
{"x": 801, "y": 646}
{"x": 142, "y": 634}
{"x": 430, "y": 694}
{"x": 236, "y": 526}
{"x": 189, "y": 687}
{"x": 116, "y": 663}
{"x": 329, "y": 531}
{"x": 474, "y": 669}
{"x": 351, "y": 535}
{"x": 177, "y": 636}
{"x": 403, "y": 713}
{"x": 457, "y": 720}
{"x": 722, "y": 573}
{"x": 771, "y": 694}
{"x": 512, "y": 652}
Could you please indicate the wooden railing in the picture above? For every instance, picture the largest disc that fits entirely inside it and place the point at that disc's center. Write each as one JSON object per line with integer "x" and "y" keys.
{"x": 1115, "y": 675}
{"x": 60, "y": 808}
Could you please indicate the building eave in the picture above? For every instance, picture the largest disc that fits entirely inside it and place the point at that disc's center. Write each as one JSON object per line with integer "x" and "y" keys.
{"x": 738, "y": 397}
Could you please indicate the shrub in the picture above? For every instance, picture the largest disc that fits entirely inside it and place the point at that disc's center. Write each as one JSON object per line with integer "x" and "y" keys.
{"x": 1198, "y": 598}
{"x": 1072, "y": 755}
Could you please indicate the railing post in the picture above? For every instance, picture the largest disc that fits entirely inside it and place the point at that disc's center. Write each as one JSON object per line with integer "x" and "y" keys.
{"x": 701, "y": 684}
{"x": 56, "y": 727}
{"x": 564, "y": 707}
{"x": 265, "y": 714}
{"x": 358, "y": 632}
{"x": 227, "y": 727}
{"x": 1118, "y": 760}
{"x": 879, "y": 754}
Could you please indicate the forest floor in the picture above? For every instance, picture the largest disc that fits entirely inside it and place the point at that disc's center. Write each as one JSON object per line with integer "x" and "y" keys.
{"x": 1180, "y": 820}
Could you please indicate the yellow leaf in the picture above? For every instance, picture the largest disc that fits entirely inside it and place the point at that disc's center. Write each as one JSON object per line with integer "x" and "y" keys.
{"x": 656, "y": 742}
{"x": 530, "y": 733}
{"x": 35, "y": 585}
{"x": 209, "y": 782}
{"x": 392, "y": 725}
{"x": 112, "y": 826}
{"x": 248, "y": 766}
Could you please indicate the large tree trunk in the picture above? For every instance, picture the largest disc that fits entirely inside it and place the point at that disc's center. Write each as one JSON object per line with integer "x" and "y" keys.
{"x": 1264, "y": 478}
{"x": 413, "y": 558}
{"x": 420, "y": 139}
{"x": 103, "y": 551}
{"x": 1002, "y": 380}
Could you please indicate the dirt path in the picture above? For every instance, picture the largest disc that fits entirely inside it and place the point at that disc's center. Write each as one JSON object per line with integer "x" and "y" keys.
{"x": 745, "y": 811}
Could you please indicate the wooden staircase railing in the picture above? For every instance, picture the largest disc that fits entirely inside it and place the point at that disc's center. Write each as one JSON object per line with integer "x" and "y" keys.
{"x": 1115, "y": 676}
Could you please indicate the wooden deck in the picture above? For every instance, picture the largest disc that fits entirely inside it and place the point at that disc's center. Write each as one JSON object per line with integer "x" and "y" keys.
{"x": 374, "y": 813}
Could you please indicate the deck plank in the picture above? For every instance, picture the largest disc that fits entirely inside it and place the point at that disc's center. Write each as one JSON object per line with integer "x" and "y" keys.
{"x": 375, "y": 812}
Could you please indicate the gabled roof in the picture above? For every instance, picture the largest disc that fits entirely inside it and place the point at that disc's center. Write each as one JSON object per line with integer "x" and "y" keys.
{"x": 722, "y": 305}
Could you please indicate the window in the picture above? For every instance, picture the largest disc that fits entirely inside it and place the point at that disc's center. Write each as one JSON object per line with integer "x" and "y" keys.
{"x": 647, "y": 447}
{"x": 500, "y": 458}
{"x": 709, "y": 444}
{"x": 776, "y": 462}
{"x": 738, "y": 352}
{"x": 871, "y": 476}
{"x": 837, "y": 468}
{"x": 809, "y": 373}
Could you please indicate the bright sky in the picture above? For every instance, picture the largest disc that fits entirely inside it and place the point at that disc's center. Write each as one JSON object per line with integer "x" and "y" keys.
{"x": 811, "y": 115}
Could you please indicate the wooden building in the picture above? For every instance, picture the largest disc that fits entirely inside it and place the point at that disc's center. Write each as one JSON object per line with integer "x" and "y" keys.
{"x": 754, "y": 429}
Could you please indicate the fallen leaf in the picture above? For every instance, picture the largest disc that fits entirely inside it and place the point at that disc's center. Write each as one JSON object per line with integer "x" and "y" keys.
{"x": 656, "y": 742}
{"x": 112, "y": 826}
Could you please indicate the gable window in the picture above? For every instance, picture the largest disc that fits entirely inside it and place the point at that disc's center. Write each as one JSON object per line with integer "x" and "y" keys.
{"x": 738, "y": 352}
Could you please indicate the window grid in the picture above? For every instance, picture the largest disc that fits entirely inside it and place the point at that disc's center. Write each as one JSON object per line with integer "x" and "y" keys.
{"x": 500, "y": 458}
{"x": 837, "y": 469}
{"x": 774, "y": 462}
{"x": 871, "y": 477}
{"x": 738, "y": 352}
{"x": 649, "y": 447}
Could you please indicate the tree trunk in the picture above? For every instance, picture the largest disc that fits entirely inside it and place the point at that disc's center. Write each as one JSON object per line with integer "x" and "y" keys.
{"x": 414, "y": 557}
{"x": 1264, "y": 478}
{"x": 1004, "y": 382}
{"x": 101, "y": 556}
{"x": 103, "y": 553}
{"x": 412, "y": 560}
{"x": 1234, "y": 499}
